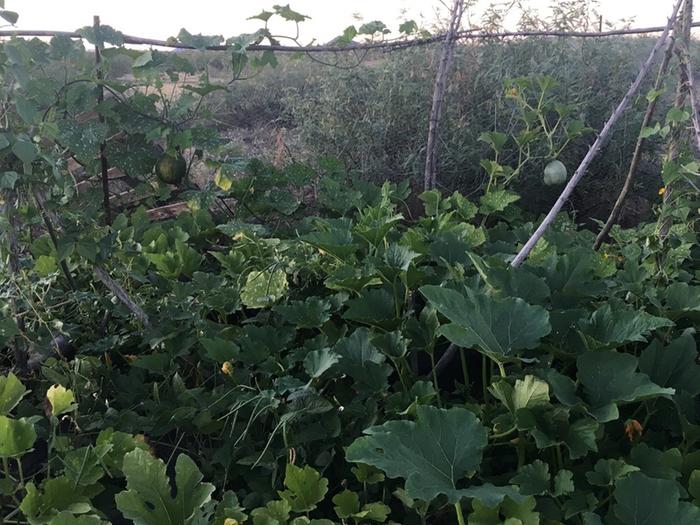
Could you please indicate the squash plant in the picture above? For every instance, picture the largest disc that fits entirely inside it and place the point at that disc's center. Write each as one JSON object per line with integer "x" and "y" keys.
{"x": 326, "y": 360}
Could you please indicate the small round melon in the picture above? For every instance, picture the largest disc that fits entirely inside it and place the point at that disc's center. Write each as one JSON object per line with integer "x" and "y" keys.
{"x": 554, "y": 173}
{"x": 171, "y": 169}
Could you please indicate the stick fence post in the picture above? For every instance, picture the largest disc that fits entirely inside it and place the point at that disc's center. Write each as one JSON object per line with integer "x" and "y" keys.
{"x": 446, "y": 58}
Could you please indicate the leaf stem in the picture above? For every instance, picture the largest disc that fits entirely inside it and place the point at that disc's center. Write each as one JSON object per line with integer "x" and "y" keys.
{"x": 485, "y": 365}
{"x": 465, "y": 369}
{"x": 435, "y": 379}
{"x": 460, "y": 516}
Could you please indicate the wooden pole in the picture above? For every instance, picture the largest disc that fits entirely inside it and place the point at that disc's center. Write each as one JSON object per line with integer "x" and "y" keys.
{"x": 684, "y": 56}
{"x": 440, "y": 86}
{"x": 104, "y": 166}
{"x": 674, "y": 143}
{"x": 637, "y": 155}
{"x": 597, "y": 145}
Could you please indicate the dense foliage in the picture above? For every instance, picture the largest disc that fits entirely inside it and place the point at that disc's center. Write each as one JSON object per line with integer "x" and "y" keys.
{"x": 312, "y": 348}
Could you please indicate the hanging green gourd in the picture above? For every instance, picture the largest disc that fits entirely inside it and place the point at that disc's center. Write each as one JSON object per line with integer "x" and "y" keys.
{"x": 554, "y": 173}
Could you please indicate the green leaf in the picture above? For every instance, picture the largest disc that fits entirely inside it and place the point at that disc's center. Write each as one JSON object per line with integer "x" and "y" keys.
{"x": 408, "y": 27}
{"x": 264, "y": 15}
{"x": 641, "y": 500}
{"x": 312, "y": 312}
{"x": 619, "y": 326}
{"x": 83, "y": 466}
{"x": 367, "y": 474}
{"x": 149, "y": 498}
{"x": 289, "y": 14}
{"x": 360, "y": 360}
{"x": 346, "y": 503}
{"x": 274, "y": 513}
{"x": 198, "y": 41}
{"x": 61, "y": 399}
{"x": 432, "y": 454}
{"x": 496, "y": 201}
{"x": 10, "y": 16}
{"x": 143, "y": 59}
{"x": 533, "y": 479}
{"x": 674, "y": 366}
{"x": 375, "y": 511}
{"x": 219, "y": 350}
{"x": 492, "y": 496}
{"x": 11, "y": 393}
{"x": 609, "y": 378}
{"x": 262, "y": 289}
{"x": 8, "y": 180}
{"x": 399, "y": 257}
{"x": 511, "y": 282}
{"x": 563, "y": 483}
{"x": 45, "y": 265}
{"x": 371, "y": 28}
{"x": 17, "y": 436}
{"x": 374, "y": 307}
{"x": 25, "y": 150}
{"x": 478, "y": 320}
{"x": 528, "y": 392}
{"x": 101, "y": 35}
{"x": 56, "y": 495}
{"x": 607, "y": 471}
{"x": 681, "y": 297}
{"x": 305, "y": 488}
{"x": 694, "y": 484}
{"x": 320, "y": 361}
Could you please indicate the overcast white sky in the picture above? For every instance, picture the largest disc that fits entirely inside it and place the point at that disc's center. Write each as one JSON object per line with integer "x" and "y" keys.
{"x": 163, "y": 18}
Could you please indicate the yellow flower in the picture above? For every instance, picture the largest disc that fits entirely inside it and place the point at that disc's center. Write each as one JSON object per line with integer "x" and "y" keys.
{"x": 512, "y": 92}
{"x": 662, "y": 190}
{"x": 227, "y": 367}
{"x": 230, "y": 521}
{"x": 606, "y": 255}
{"x": 238, "y": 236}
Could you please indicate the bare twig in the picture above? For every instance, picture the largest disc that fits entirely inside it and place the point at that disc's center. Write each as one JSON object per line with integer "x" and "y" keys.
{"x": 597, "y": 145}
{"x": 38, "y": 198}
{"x": 444, "y": 66}
{"x": 637, "y": 155}
{"x": 121, "y": 294}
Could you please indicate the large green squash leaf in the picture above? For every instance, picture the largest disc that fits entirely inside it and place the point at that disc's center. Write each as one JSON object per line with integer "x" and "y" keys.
{"x": 511, "y": 282}
{"x": 610, "y": 378}
{"x": 682, "y": 298}
{"x": 647, "y": 501}
{"x": 361, "y": 360}
{"x": 149, "y": 499}
{"x": 500, "y": 328}
{"x": 432, "y": 454}
{"x": 615, "y": 326}
{"x": 674, "y": 366}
